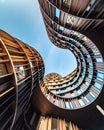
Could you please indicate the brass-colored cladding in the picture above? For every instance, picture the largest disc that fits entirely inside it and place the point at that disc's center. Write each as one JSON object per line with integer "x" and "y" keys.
{"x": 21, "y": 67}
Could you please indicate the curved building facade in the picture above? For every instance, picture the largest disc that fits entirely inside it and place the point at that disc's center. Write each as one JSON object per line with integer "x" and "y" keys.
{"x": 30, "y": 101}
{"x": 82, "y": 86}
{"x": 21, "y": 69}
{"x": 77, "y": 26}
{"x": 73, "y": 14}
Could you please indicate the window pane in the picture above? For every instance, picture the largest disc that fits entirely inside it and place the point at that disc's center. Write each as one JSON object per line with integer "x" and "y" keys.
{"x": 71, "y": 106}
{"x": 81, "y": 102}
{"x": 89, "y": 76}
{"x": 57, "y": 13}
{"x": 90, "y": 65}
{"x": 92, "y": 94}
{"x": 54, "y": 124}
{"x": 61, "y": 28}
{"x": 99, "y": 79}
{"x": 72, "y": 94}
{"x": 89, "y": 97}
{"x": 99, "y": 60}
{"x": 90, "y": 5}
{"x": 67, "y": 104}
{"x": 87, "y": 84}
{"x": 96, "y": 53}
{"x": 79, "y": 91}
{"x": 100, "y": 74}
{"x": 20, "y": 73}
{"x": 98, "y": 86}
{"x": 88, "y": 56}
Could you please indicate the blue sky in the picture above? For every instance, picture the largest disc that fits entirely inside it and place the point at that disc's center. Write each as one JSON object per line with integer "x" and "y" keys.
{"x": 22, "y": 19}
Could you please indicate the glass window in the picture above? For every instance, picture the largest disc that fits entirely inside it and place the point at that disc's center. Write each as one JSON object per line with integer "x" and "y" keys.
{"x": 100, "y": 79}
{"x": 81, "y": 45}
{"x": 100, "y": 74}
{"x": 31, "y": 64}
{"x": 89, "y": 97}
{"x": 71, "y": 106}
{"x": 84, "y": 69}
{"x": 61, "y": 28}
{"x": 57, "y": 91}
{"x": 79, "y": 91}
{"x": 90, "y": 5}
{"x": 89, "y": 76}
{"x": 92, "y": 94}
{"x": 81, "y": 102}
{"x": 67, "y": 104}
{"x": 54, "y": 124}
{"x": 97, "y": 85}
{"x": 86, "y": 99}
{"x": 72, "y": 94}
{"x": 73, "y": 40}
{"x": 88, "y": 8}
{"x": 87, "y": 83}
{"x": 57, "y": 13}
{"x": 99, "y": 59}
{"x": 88, "y": 56}
{"x": 90, "y": 65}
{"x": 97, "y": 53}
{"x": 77, "y": 83}
{"x": 82, "y": 76}
{"x": 20, "y": 73}
{"x": 52, "y": 22}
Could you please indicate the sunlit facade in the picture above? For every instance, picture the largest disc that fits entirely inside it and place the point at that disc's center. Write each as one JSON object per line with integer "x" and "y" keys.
{"x": 21, "y": 69}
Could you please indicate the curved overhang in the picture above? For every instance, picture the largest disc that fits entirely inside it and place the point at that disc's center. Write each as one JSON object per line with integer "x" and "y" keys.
{"x": 86, "y": 44}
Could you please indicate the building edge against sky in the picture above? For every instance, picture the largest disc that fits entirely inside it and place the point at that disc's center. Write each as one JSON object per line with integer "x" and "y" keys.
{"x": 30, "y": 102}
{"x": 21, "y": 71}
{"x": 79, "y": 28}
{"x": 24, "y": 21}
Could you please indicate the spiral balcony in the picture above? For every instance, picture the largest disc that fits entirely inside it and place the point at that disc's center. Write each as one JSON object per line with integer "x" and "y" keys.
{"x": 83, "y": 85}
{"x": 77, "y": 97}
